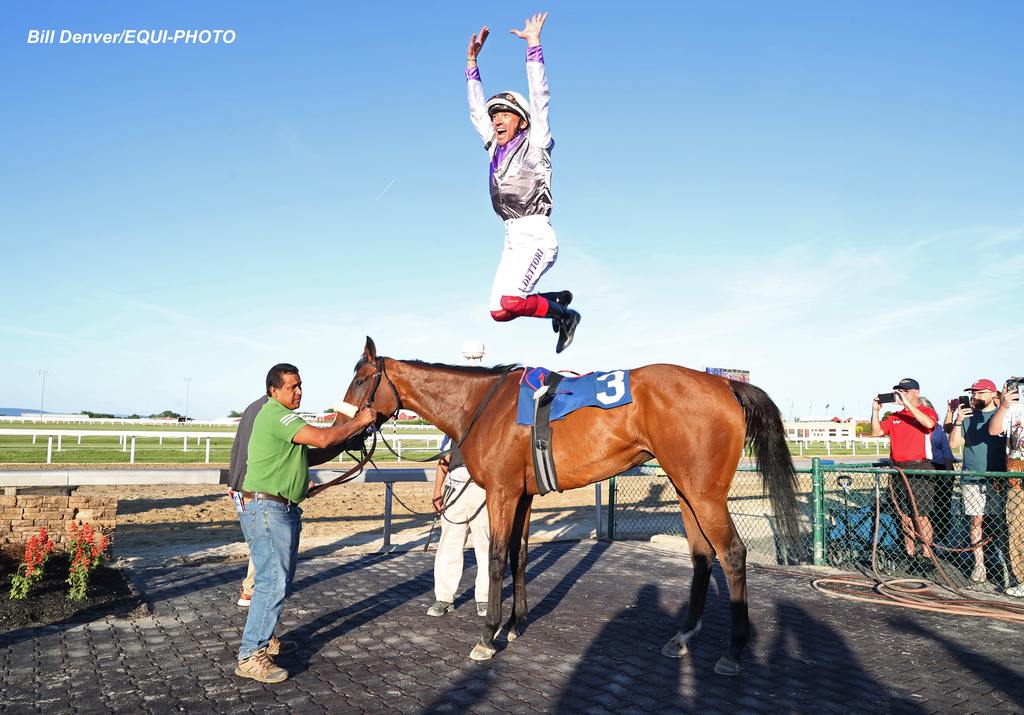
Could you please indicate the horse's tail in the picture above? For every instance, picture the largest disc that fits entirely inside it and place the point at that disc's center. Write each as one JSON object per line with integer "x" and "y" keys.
{"x": 767, "y": 436}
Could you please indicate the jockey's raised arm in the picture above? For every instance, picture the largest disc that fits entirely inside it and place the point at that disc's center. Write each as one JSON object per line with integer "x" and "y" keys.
{"x": 475, "y": 89}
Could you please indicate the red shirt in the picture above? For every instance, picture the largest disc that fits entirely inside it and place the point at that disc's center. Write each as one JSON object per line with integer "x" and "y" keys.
{"x": 908, "y": 440}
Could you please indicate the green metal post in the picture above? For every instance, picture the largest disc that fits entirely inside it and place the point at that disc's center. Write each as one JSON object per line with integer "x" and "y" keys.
{"x": 611, "y": 509}
{"x": 818, "y": 486}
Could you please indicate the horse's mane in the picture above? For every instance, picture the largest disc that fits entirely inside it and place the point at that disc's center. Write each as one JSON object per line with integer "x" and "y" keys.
{"x": 463, "y": 369}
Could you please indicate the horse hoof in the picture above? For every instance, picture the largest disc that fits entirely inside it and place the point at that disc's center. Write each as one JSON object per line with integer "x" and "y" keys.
{"x": 482, "y": 652}
{"x": 513, "y": 633}
{"x": 727, "y": 666}
{"x": 675, "y": 648}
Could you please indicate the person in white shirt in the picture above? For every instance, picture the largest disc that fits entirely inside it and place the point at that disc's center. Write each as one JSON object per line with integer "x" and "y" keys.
{"x": 1009, "y": 420}
{"x": 462, "y": 508}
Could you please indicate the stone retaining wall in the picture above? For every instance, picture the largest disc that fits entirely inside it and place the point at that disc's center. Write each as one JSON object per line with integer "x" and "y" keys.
{"x": 23, "y": 515}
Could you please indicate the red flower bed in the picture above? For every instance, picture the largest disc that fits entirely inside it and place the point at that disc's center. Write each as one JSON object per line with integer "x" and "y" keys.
{"x": 109, "y": 594}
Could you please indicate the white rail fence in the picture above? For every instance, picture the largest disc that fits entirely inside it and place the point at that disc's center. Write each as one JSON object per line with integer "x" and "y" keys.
{"x": 864, "y": 446}
{"x": 128, "y": 441}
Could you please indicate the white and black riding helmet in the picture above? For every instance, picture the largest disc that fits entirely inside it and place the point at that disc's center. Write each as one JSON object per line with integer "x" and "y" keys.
{"x": 509, "y": 102}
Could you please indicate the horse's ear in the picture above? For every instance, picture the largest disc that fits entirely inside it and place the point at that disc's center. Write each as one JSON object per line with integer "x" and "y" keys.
{"x": 370, "y": 350}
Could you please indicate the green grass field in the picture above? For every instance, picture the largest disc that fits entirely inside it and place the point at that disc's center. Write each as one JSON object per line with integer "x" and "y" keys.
{"x": 103, "y": 449}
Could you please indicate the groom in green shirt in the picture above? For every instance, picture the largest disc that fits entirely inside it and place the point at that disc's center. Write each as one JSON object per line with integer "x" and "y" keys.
{"x": 276, "y": 480}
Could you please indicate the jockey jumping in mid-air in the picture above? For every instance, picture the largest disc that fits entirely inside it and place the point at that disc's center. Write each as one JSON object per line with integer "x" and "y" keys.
{"x": 517, "y": 137}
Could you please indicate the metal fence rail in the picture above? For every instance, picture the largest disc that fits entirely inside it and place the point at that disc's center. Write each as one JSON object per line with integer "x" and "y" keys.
{"x": 837, "y": 506}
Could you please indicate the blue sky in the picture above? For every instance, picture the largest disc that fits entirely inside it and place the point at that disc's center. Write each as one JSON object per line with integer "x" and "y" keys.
{"x": 826, "y": 194}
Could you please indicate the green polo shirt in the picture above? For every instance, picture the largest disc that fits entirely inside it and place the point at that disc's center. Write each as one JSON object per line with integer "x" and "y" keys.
{"x": 276, "y": 465}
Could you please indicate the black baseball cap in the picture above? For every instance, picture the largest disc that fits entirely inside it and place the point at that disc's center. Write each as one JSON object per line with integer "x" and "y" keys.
{"x": 907, "y": 383}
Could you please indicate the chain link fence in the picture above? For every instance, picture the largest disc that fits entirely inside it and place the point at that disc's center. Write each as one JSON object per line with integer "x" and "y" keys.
{"x": 643, "y": 503}
{"x": 856, "y": 517}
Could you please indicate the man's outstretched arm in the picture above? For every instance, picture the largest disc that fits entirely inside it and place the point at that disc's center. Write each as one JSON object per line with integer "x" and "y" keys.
{"x": 475, "y": 88}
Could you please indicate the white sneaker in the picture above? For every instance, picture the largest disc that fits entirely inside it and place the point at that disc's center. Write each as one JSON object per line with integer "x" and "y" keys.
{"x": 1017, "y": 591}
{"x": 978, "y": 574}
{"x": 244, "y": 599}
{"x": 440, "y": 608}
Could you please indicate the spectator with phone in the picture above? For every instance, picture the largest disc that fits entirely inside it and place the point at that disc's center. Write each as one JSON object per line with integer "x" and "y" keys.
{"x": 983, "y": 452}
{"x": 909, "y": 432}
{"x": 1009, "y": 422}
{"x": 942, "y": 457}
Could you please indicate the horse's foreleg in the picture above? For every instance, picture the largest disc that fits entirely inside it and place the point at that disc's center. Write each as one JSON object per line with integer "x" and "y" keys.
{"x": 518, "y": 541}
{"x": 702, "y": 556}
{"x": 500, "y": 512}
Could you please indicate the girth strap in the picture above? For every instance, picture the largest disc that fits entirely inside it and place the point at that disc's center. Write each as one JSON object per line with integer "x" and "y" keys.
{"x": 540, "y": 434}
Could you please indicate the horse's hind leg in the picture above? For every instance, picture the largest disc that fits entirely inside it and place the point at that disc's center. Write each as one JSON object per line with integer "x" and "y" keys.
{"x": 702, "y": 555}
{"x": 732, "y": 554}
{"x": 517, "y": 547}
{"x": 500, "y": 513}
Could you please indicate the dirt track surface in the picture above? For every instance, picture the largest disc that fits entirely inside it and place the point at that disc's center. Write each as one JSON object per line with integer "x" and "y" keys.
{"x": 204, "y": 516}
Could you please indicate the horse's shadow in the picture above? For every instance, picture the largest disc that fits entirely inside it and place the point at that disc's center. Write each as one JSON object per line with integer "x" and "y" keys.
{"x": 317, "y": 633}
{"x": 994, "y": 673}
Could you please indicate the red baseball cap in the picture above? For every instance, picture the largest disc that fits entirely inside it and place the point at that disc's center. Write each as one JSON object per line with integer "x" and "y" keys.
{"x": 982, "y": 385}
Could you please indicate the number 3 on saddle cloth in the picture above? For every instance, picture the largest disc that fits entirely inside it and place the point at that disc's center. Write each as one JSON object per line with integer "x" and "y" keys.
{"x": 545, "y": 396}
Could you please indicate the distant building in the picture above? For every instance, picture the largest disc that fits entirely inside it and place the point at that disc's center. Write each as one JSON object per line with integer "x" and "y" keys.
{"x": 730, "y": 373}
{"x": 820, "y": 429}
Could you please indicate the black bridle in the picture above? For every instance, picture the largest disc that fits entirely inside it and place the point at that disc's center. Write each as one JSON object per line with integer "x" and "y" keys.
{"x": 366, "y": 455}
{"x": 379, "y": 375}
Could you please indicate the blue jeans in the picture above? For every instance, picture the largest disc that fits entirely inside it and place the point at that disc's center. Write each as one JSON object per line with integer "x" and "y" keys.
{"x": 272, "y": 532}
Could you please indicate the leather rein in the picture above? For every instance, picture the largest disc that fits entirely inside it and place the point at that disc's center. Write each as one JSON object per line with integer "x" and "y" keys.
{"x": 367, "y": 455}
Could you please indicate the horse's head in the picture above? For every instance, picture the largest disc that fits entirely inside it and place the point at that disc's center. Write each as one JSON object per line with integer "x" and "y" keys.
{"x": 371, "y": 387}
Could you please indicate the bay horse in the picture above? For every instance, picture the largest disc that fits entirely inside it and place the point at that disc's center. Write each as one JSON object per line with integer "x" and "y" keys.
{"x": 695, "y": 424}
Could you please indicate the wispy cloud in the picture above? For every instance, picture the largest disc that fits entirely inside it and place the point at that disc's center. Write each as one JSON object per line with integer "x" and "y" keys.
{"x": 386, "y": 189}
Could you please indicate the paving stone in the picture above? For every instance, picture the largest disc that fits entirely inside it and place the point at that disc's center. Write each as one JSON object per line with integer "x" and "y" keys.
{"x": 601, "y": 613}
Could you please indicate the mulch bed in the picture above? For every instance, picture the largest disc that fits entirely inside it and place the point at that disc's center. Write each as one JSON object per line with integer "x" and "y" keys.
{"x": 109, "y": 594}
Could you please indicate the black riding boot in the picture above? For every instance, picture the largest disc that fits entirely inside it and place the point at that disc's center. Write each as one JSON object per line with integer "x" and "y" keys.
{"x": 562, "y": 298}
{"x": 566, "y": 319}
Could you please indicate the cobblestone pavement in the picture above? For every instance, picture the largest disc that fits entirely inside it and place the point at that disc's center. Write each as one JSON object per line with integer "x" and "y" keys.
{"x": 600, "y": 614}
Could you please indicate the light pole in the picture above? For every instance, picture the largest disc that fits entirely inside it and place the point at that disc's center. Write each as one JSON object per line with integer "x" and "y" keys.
{"x": 42, "y": 392}
{"x": 188, "y": 381}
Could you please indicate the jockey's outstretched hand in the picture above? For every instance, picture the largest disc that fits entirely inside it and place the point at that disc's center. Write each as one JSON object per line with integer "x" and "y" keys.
{"x": 476, "y": 43}
{"x": 531, "y": 29}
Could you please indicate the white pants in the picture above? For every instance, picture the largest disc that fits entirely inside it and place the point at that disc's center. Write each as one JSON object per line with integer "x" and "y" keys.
{"x": 448, "y": 560}
{"x": 530, "y": 250}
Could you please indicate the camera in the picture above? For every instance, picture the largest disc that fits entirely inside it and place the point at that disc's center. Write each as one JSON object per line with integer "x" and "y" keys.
{"x": 1014, "y": 383}
{"x": 886, "y": 398}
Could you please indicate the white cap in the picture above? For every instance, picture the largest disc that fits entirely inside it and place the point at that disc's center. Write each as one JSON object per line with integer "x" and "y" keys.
{"x": 509, "y": 102}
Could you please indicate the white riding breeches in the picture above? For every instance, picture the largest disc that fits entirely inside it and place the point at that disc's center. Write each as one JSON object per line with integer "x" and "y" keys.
{"x": 530, "y": 250}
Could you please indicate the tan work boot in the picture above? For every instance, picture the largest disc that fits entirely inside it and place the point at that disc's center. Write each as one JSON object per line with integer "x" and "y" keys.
{"x": 260, "y": 667}
{"x": 276, "y": 646}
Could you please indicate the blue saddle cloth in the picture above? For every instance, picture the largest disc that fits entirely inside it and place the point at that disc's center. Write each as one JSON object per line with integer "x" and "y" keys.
{"x": 597, "y": 389}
